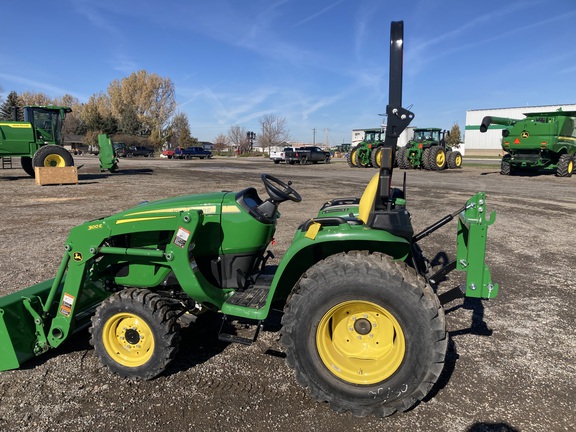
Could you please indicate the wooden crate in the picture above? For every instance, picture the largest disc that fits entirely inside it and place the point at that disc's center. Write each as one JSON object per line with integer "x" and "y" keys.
{"x": 56, "y": 175}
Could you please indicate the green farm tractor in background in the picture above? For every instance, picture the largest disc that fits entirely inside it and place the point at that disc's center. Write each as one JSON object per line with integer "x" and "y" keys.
{"x": 38, "y": 140}
{"x": 428, "y": 150}
{"x": 363, "y": 324}
{"x": 366, "y": 153}
{"x": 541, "y": 141}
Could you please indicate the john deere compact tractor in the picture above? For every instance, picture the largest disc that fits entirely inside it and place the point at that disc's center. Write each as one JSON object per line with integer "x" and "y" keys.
{"x": 363, "y": 325}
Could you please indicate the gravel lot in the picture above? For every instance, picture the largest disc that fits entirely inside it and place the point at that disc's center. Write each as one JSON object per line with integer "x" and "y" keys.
{"x": 510, "y": 365}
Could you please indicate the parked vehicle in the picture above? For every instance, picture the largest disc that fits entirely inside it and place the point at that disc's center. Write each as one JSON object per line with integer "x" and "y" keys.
{"x": 140, "y": 151}
{"x": 543, "y": 141}
{"x": 278, "y": 156}
{"x": 120, "y": 149}
{"x": 38, "y": 139}
{"x": 192, "y": 152}
{"x": 428, "y": 150}
{"x": 304, "y": 155}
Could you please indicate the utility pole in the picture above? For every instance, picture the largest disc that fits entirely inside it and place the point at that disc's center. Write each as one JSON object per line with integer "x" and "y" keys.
{"x": 314, "y": 136}
{"x": 326, "y": 131}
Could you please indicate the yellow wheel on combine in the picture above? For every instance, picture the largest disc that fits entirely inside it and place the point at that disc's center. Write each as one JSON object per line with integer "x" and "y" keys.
{"x": 368, "y": 336}
{"x": 134, "y": 333}
{"x": 565, "y": 166}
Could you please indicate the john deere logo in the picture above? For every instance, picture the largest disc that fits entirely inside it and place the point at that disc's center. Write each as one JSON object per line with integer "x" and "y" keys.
{"x": 77, "y": 256}
{"x": 525, "y": 134}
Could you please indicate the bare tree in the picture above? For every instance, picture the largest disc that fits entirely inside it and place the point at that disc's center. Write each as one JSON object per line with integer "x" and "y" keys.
{"x": 238, "y": 138}
{"x": 221, "y": 143}
{"x": 274, "y": 131}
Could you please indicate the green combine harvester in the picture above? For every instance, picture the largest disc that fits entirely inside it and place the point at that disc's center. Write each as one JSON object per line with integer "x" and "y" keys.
{"x": 541, "y": 141}
{"x": 363, "y": 325}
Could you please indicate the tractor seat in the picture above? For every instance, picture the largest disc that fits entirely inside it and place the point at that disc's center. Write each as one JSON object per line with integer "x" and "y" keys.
{"x": 364, "y": 207}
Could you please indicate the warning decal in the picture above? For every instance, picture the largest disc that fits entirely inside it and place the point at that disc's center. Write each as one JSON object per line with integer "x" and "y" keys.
{"x": 66, "y": 306}
{"x": 181, "y": 237}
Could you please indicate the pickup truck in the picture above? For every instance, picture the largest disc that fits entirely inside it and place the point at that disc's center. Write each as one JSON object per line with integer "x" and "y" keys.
{"x": 139, "y": 151}
{"x": 304, "y": 155}
{"x": 192, "y": 152}
{"x": 277, "y": 156}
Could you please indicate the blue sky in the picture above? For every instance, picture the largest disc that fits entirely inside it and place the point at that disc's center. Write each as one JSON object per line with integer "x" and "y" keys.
{"x": 321, "y": 64}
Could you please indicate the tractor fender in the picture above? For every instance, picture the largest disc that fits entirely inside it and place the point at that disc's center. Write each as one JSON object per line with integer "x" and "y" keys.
{"x": 323, "y": 237}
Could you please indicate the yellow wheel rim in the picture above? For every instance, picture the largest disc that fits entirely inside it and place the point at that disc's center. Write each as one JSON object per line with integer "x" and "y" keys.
{"x": 128, "y": 340}
{"x": 440, "y": 158}
{"x": 360, "y": 342}
{"x": 458, "y": 161}
{"x": 378, "y": 158}
{"x": 570, "y": 167}
{"x": 54, "y": 160}
{"x": 354, "y": 158}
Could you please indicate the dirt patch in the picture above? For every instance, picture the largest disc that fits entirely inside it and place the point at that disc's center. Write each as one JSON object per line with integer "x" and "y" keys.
{"x": 510, "y": 364}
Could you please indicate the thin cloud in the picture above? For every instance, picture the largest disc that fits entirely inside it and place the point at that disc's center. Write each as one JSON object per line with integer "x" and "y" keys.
{"x": 32, "y": 84}
{"x": 317, "y": 14}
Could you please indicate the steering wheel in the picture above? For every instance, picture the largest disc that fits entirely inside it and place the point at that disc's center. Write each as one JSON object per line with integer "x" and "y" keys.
{"x": 278, "y": 190}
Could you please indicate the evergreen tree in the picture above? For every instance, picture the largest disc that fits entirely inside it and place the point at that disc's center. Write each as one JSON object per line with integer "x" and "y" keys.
{"x": 454, "y": 139}
{"x": 7, "y": 108}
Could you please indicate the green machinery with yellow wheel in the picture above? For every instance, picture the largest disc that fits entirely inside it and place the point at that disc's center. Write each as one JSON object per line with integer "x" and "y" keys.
{"x": 428, "y": 150}
{"x": 38, "y": 140}
{"x": 363, "y": 325}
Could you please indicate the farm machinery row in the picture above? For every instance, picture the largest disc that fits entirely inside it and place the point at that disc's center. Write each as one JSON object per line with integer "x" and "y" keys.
{"x": 363, "y": 324}
{"x": 427, "y": 149}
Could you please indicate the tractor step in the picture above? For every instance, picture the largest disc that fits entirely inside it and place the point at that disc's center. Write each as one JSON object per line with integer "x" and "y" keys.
{"x": 235, "y": 338}
{"x": 254, "y": 297}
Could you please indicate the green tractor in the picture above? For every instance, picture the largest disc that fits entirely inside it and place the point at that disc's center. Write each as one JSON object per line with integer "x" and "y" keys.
{"x": 365, "y": 154}
{"x": 541, "y": 141}
{"x": 428, "y": 150}
{"x": 363, "y": 324}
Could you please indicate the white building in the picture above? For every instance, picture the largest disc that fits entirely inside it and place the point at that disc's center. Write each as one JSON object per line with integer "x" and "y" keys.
{"x": 489, "y": 142}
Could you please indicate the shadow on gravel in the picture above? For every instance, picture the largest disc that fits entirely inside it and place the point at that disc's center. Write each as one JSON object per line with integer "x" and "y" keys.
{"x": 98, "y": 176}
{"x": 491, "y": 427}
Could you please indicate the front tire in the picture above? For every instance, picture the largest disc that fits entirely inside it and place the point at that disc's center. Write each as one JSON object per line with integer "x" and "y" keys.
{"x": 365, "y": 334}
{"x": 134, "y": 333}
{"x": 353, "y": 158}
{"x": 52, "y": 156}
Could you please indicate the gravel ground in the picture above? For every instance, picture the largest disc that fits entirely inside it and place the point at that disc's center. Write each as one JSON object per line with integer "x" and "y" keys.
{"x": 510, "y": 365}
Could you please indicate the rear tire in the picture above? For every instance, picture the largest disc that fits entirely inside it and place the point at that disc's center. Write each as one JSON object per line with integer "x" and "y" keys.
{"x": 376, "y": 157}
{"x": 454, "y": 160}
{"x": 52, "y": 156}
{"x": 565, "y": 166}
{"x": 401, "y": 158}
{"x": 303, "y": 161}
{"x": 134, "y": 333}
{"x": 365, "y": 333}
{"x": 505, "y": 167}
{"x": 437, "y": 158}
{"x": 353, "y": 158}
